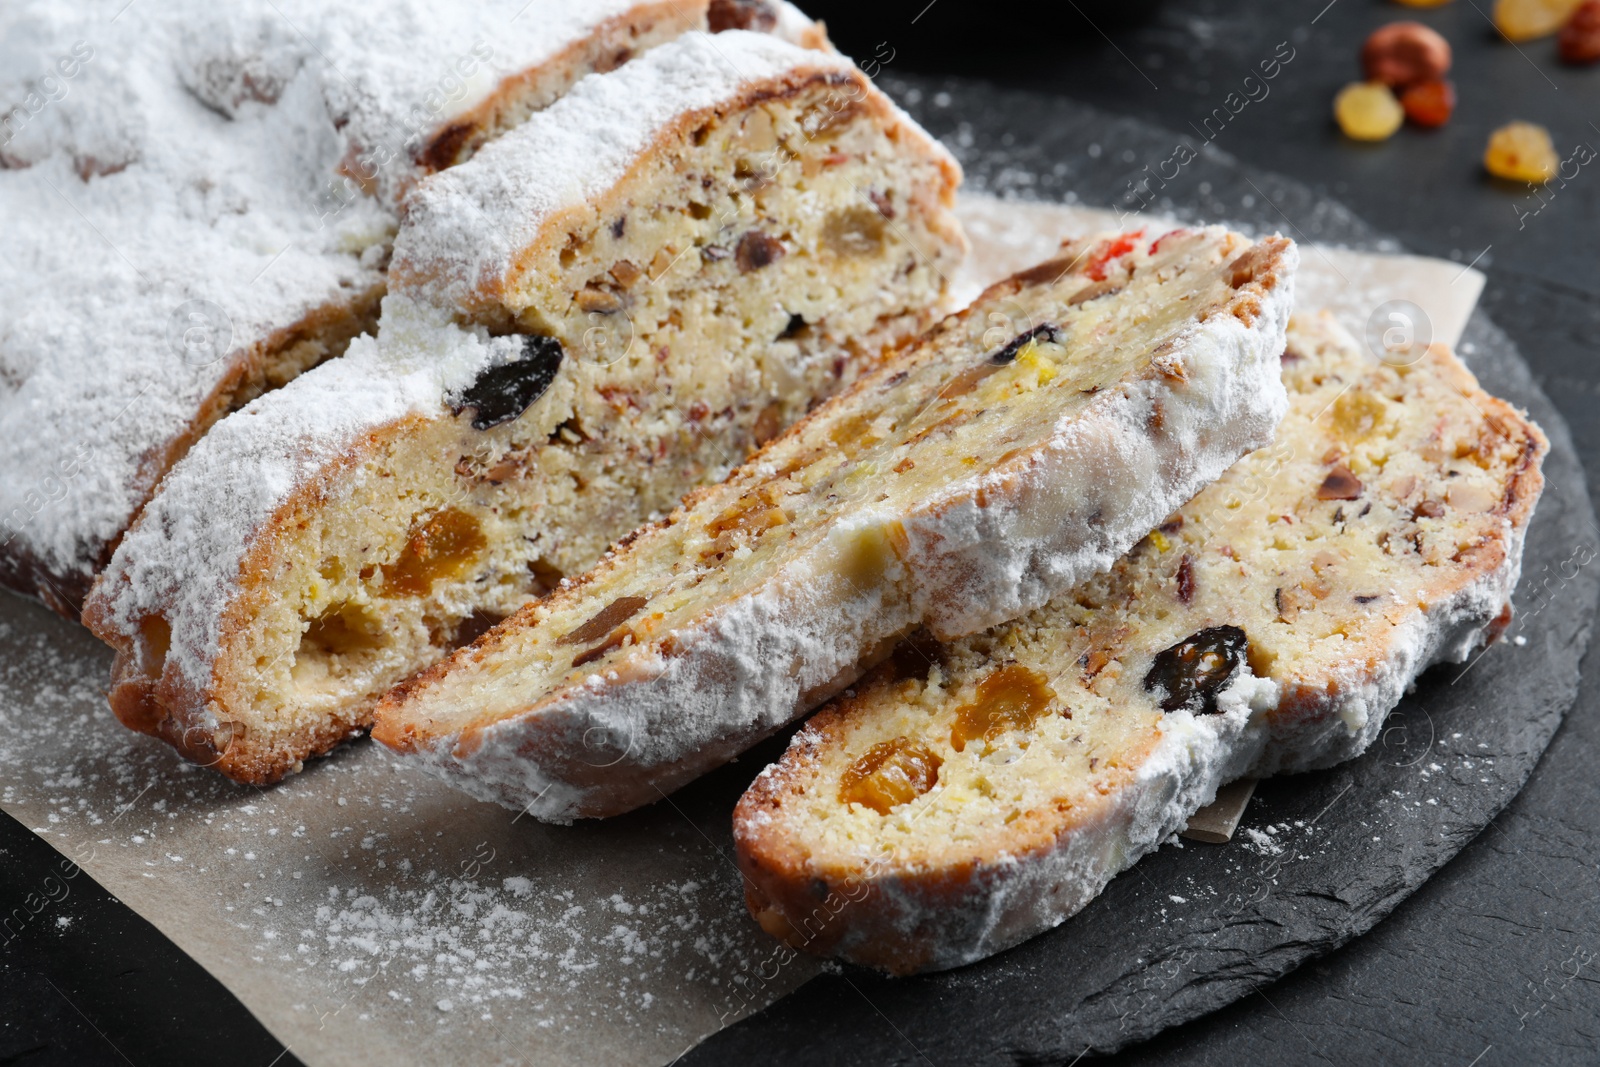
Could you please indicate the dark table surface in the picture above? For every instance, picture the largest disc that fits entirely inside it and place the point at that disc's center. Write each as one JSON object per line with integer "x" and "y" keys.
{"x": 1496, "y": 960}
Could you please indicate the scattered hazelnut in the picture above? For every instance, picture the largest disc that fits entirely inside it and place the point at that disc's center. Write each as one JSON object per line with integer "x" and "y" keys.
{"x": 1405, "y": 53}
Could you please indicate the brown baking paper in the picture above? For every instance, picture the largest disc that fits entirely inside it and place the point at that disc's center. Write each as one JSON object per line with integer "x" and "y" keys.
{"x": 365, "y": 913}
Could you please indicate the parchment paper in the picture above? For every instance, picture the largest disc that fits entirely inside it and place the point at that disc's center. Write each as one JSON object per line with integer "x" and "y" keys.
{"x": 365, "y": 913}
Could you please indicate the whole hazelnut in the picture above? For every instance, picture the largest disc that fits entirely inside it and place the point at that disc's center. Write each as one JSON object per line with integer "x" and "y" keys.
{"x": 1405, "y": 53}
{"x": 1580, "y": 38}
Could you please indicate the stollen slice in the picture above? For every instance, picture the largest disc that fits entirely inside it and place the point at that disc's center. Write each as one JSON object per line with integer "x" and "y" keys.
{"x": 1018, "y": 448}
{"x": 604, "y": 308}
{"x": 973, "y": 793}
{"x": 203, "y": 207}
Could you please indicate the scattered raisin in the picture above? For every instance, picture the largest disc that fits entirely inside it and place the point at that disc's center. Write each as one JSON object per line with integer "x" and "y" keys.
{"x": 1368, "y": 111}
{"x": 1429, "y": 103}
{"x": 1340, "y": 484}
{"x": 504, "y": 392}
{"x": 757, "y": 250}
{"x": 1521, "y": 152}
{"x": 1405, "y": 53}
{"x": 1005, "y": 355}
{"x": 1579, "y": 42}
{"x": 1011, "y": 698}
{"x": 880, "y": 201}
{"x": 605, "y": 620}
{"x": 890, "y": 774}
{"x": 1192, "y": 672}
{"x": 1523, "y": 20}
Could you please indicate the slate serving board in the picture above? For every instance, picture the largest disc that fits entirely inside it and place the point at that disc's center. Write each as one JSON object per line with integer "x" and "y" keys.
{"x": 1320, "y": 858}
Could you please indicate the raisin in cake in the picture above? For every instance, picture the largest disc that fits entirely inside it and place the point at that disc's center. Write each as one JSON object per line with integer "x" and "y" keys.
{"x": 1018, "y": 448}
{"x": 199, "y": 200}
{"x": 605, "y": 307}
{"x": 973, "y": 793}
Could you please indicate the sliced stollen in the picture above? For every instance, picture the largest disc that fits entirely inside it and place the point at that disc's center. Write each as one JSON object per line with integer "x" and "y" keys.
{"x": 971, "y": 794}
{"x": 1018, "y": 448}
{"x": 602, "y": 309}
{"x": 199, "y": 204}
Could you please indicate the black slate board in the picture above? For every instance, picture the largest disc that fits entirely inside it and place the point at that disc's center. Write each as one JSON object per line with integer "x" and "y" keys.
{"x": 1190, "y": 930}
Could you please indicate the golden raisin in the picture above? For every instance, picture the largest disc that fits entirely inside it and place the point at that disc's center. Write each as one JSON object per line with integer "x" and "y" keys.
{"x": 443, "y": 545}
{"x": 1011, "y": 698}
{"x": 1405, "y": 53}
{"x": 1429, "y": 103}
{"x": 1523, "y": 20}
{"x": 1580, "y": 38}
{"x": 890, "y": 774}
{"x": 1522, "y": 152}
{"x": 1368, "y": 111}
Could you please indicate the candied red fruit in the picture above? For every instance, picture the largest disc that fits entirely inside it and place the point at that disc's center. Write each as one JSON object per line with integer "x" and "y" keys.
{"x": 1429, "y": 103}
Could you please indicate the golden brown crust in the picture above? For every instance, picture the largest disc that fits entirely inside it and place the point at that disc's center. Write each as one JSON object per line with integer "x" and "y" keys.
{"x": 607, "y": 48}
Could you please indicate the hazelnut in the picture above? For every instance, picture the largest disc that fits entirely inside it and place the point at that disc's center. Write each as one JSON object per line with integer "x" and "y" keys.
{"x": 1579, "y": 42}
{"x": 1405, "y": 53}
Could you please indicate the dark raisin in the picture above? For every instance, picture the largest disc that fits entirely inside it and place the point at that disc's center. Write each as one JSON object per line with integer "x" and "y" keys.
{"x": 796, "y": 324}
{"x": 1367, "y": 599}
{"x": 757, "y": 250}
{"x": 1005, "y": 355}
{"x": 504, "y": 392}
{"x": 1185, "y": 579}
{"x": 1192, "y": 672}
{"x": 758, "y": 15}
{"x": 619, "y": 226}
{"x": 1340, "y": 484}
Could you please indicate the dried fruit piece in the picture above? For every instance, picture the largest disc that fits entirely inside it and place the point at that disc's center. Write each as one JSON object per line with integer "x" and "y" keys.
{"x": 443, "y": 545}
{"x": 1580, "y": 38}
{"x": 605, "y": 620}
{"x": 1009, "y": 699}
{"x": 890, "y": 774}
{"x": 1368, "y": 111}
{"x": 1430, "y": 103}
{"x": 1523, "y": 20}
{"x": 1192, "y": 672}
{"x": 1405, "y": 53}
{"x": 757, "y": 250}
{"x": 1522, "y": 152}
{"x": 502, "y": 393}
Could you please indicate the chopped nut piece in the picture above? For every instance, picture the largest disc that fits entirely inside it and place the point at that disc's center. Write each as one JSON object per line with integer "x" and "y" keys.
{"x": 1340, "y": 484}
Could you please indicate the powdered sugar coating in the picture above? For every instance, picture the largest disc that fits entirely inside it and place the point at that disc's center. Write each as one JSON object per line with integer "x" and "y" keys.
{"x": 183, "y": 558}
{"x": 1012, "y": 898}
{"x": 465, "y": 228}
{"x": 984, "y": 549}
{"x": 158, "y": 155}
